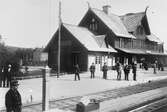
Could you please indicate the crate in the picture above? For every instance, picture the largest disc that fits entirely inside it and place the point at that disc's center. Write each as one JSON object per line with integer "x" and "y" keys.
{"x": 91, "y": 107}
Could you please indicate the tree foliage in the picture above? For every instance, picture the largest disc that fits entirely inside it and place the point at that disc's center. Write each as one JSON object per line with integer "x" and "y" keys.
{"x": 3, "y": 54}
{"x": 7, "y": 57}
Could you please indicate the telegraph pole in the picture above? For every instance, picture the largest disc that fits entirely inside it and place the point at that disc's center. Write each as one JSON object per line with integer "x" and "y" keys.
{"x": 59, "y": 40}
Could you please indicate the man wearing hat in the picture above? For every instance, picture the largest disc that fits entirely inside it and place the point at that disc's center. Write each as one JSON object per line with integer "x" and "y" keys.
{"x": 13, "y": 98}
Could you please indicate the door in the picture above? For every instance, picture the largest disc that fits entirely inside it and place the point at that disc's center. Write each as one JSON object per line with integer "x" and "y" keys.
{"x": 75, "y": 58}
{"x": 98, "y": 63}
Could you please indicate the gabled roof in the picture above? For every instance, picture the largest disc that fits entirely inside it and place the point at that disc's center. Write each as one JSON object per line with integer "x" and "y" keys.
{"x": 86, "y": 38}
{"x": 132, "y": 20}
{"x": 113, "y": 22}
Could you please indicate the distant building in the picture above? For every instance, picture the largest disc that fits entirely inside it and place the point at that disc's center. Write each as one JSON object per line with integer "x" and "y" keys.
{"x": 39, "y": 57}
{"x": 37, "y": 54}
{"x": 105, "y": 37}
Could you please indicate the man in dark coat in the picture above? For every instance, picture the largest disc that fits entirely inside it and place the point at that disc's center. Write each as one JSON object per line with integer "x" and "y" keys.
{"x": 77, "y": 70}
{"x": 105, "y": 69}
{"x": 13, "y": 98}
{"x": 92, "y": 70}
{"x": 9, "y": 75}
{"x": 126, "y": 71}
{"x": 134, "y": 69}
{"x": 118, "y": 69}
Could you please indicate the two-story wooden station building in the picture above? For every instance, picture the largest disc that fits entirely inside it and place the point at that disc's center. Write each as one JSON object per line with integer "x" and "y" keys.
{"x": 105, "y": 37}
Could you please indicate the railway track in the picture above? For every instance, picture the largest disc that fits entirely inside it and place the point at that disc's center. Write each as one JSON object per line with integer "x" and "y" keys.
{"x": 155, "y": 106}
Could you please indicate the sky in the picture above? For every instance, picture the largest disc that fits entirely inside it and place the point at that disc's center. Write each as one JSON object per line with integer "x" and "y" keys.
{"x": 31, "y": 23}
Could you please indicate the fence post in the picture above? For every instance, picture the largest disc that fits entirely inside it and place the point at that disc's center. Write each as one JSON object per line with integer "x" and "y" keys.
{"x": 45, "y": 88}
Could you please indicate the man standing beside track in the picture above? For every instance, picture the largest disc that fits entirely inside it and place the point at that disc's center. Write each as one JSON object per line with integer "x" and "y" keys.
{"x": 92, "y": 70}
{"x": 134, "y": 69}
{"x": 9, "y": 75}
{"x": 77, "y": 71}
{"x": 105, "y": 69}
{"x": 13, "y": 98}
{"x": 126, "y": 71}
{"x": 118, "y": 69}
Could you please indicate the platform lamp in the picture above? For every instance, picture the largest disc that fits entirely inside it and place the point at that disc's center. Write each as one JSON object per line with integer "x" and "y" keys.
{"x": 45, "y": 82}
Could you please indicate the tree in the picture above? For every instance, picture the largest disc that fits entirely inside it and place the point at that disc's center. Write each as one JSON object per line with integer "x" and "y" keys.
{"x": 3, "y": 53}
{"x": 7, "y": 57}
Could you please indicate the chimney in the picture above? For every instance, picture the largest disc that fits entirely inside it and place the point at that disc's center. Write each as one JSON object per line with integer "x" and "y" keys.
{"x": 106, "y": 9}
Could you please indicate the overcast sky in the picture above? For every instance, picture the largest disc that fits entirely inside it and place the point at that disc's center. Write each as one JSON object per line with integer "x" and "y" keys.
{"x": 31, "y": 23}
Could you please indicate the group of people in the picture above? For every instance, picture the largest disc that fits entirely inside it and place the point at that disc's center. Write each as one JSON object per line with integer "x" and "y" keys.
{"x": 6, "y": 75}
{"x": 13, "y": 100}
{"x": 119, "y": 68}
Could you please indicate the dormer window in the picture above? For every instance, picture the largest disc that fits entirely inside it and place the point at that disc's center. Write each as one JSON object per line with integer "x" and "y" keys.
{"x": 140, "y": 30}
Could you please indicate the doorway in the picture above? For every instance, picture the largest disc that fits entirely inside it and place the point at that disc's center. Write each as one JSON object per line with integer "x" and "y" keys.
{"x": 75, "y": 58}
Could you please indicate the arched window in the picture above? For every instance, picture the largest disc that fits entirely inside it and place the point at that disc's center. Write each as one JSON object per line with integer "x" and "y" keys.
{"x": 93, "y": 25}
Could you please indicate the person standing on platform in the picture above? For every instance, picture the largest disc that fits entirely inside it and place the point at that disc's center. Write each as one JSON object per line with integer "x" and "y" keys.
{"x": 126, "y": 71}
{"x": 3, "y": 77}
{"x": 9, "y": 75}
{"x": 134, "y": 69}
{"x": 118, "y": 68}
{"x": 77, "y": 71}
{"x": 154, "y": 68}
{"x": 5, "y": 72}
{"x": 105, "y": 69}
{"x": 13, "y": 101}
{"x": 92, "y": 70}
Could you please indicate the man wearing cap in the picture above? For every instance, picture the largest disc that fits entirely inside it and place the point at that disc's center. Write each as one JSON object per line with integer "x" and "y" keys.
{"x": 13, "y": 98}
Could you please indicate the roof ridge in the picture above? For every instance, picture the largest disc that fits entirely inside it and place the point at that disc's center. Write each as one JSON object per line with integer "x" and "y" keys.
{"x": 75, "y": 25}
{"x": 129, "y": 14}
{"x": 112, "y": 21}
{"x": 105, "y": 13}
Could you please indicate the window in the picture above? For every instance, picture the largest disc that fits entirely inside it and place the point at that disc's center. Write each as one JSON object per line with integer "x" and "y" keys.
{"x": 98, "y": 60}
{"x": 140, "y": 30}
{"x": 93, "y": 25}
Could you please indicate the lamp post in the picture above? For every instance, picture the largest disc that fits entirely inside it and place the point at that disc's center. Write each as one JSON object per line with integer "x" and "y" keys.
{"x": 45, "y": 83}
{"x": 45, "y": 88}
{"x": 59, "y": 41}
